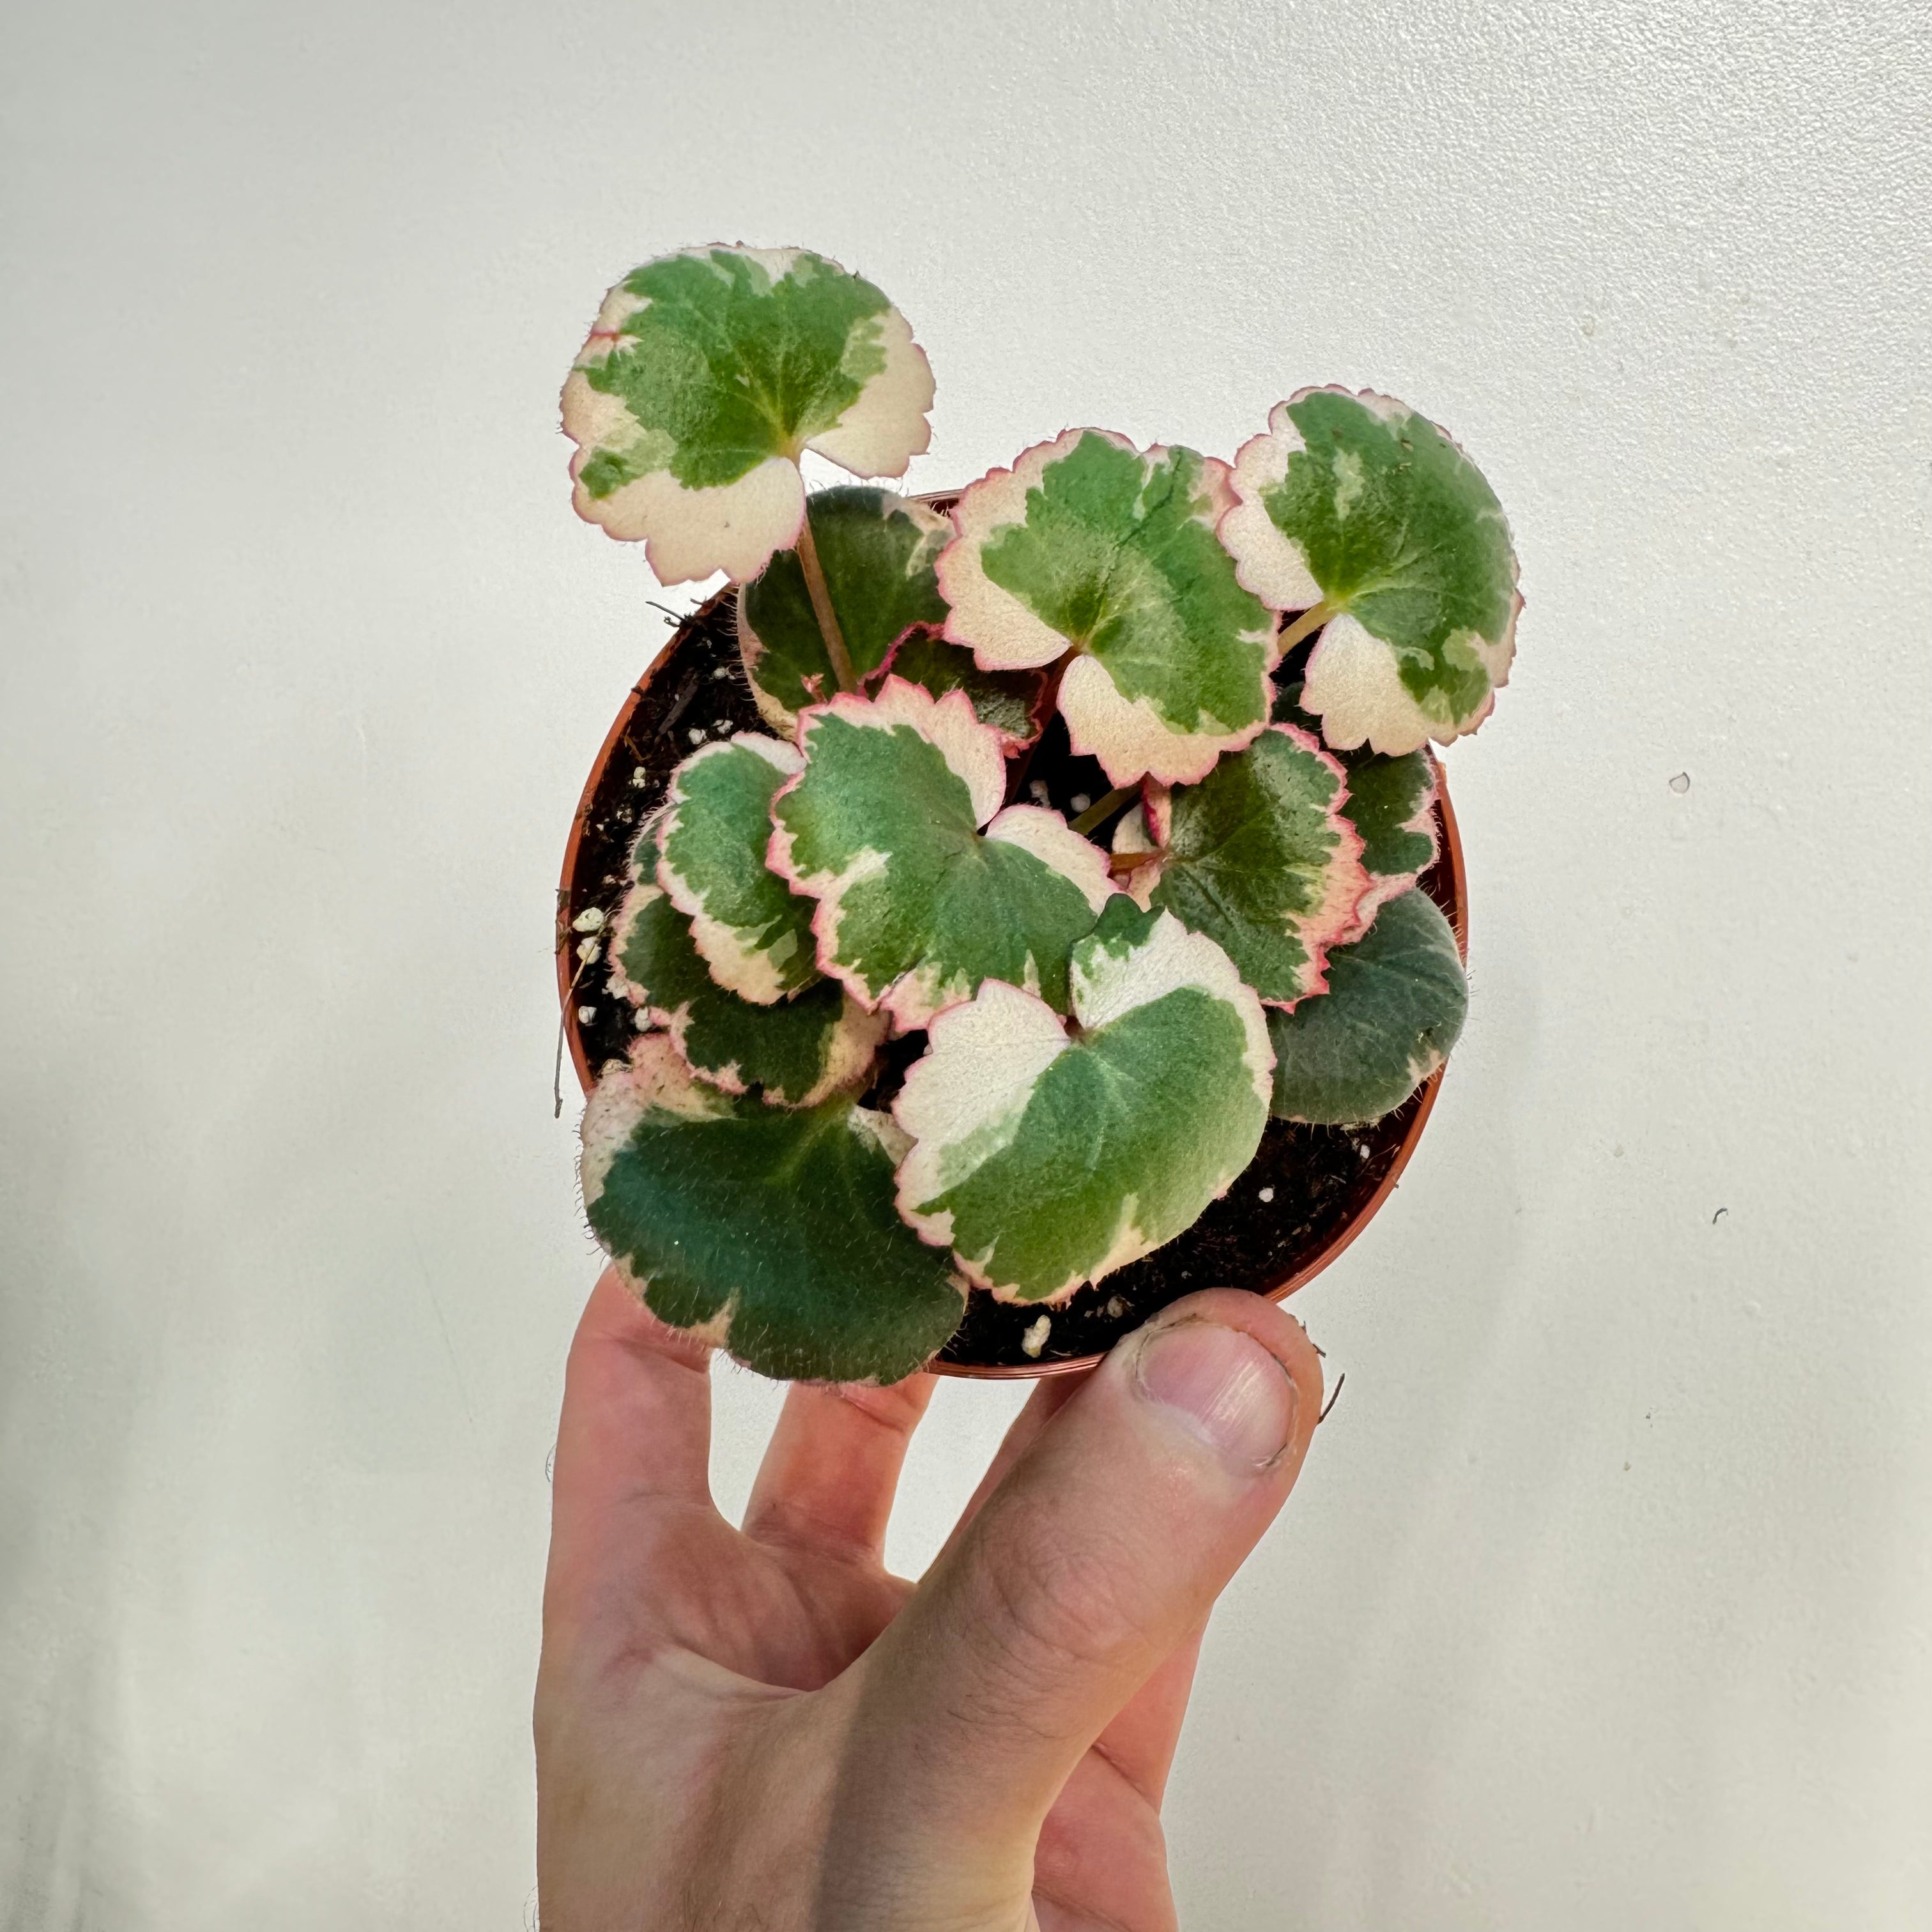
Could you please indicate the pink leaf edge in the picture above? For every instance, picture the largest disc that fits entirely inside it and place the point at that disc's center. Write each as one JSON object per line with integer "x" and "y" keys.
{"x": 778, "y": 852}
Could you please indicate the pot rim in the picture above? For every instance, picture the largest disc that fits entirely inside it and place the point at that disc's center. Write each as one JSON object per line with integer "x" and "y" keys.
{"x": 566, "y": 981}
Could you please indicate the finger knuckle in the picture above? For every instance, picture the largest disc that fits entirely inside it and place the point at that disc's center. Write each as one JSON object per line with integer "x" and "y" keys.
{"x": 1065, "y": 1601}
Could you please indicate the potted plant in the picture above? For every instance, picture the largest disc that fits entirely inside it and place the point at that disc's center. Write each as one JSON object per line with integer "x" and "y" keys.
{"x": 990, "y": 905}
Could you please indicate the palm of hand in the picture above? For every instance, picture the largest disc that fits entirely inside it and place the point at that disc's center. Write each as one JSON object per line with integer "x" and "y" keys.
{"x": 763, "y": 1727}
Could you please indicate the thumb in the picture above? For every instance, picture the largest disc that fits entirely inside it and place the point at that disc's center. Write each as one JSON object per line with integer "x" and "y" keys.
{"x": 1101, "y": 1551}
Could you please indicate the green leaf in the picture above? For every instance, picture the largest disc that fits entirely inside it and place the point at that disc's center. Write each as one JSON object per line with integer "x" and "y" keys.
{"x": 754, "y": 933}
{"x": 1392, "y": 1011}
{"x": 1356, "y": 506}
{"x": 917, "y": 906}
{"x": 1046, "y": 1161}
{"x": 1259, "y": 857}
{"x": 877, "y": 549}
{"x": 1087, "y": 542}
{"x": 771, "y": 1233}
{"x": 819, "y": 1041}
{"x": 1008, "y": 701}
{"x": 708, "y": 373}
{"x": 1391, "y": 803}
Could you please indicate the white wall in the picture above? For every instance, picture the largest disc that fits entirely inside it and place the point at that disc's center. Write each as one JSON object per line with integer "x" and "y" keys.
{"x": 1607, "y": 1598}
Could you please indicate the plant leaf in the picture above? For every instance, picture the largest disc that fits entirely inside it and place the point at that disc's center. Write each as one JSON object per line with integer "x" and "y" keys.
{"x": 1044, "y": 1161}
{"x": 877, "y": 549}
{"x": 1356, "y": 503}
{"x": 706, "y": 376}
{"x": 917, "y": 906}
{"x": 1392, "y": 1011}
{"x": 754, "y": 932}
{"x": 1391, "y": 803}
{"x": 770, "y": 1232}
{"x": 1088, "y": 542}
{"x": 1259, "y": 857}
{"x": 799, "y": 1050}
{"x": 1007, "y": 701}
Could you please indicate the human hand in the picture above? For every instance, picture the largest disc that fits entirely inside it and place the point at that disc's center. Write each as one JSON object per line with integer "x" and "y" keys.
{"x": 762, "y": 1728}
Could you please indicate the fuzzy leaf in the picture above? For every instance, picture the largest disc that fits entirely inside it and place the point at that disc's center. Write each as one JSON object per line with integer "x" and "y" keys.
{"x": 1044, "y": 1161}
{"x": 1392, "y": 1011}
{"x": 1086, "y": 542}
{"x": 877, "y": 549}
{"x": 754, "y": 932}
{"x": 917, "y": 906}
{"x": 1008, "y": 701}
{"x": 1259, "y": 857}
{"x": 1391, "y": 803}
{"x": 772, "y": 1233}
{"x": 798, "y": 1051}
{"x": 707, "y": 373}
{"x": 1358, "y": 505}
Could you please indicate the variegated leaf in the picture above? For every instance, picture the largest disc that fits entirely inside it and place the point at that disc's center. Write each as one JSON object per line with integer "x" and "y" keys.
{"x": 708, "y": 373}
{"x": 755, "y": 933}
{"x": 798, "y": 1051}
{"x": 1391, "y": 803}
{"x": 1045, "y": 1161}
{"x": 1367, "y": 515}
{"x": 917, "y": 905}
{"x": 1392, "y": 1011}
{"x": 1089, "y": 543}
{"x": 1259, "y": 857}
{"x": 1009, "y": 702}
{"x": 877, "y": 551}
{"x": 768, "y": 1232}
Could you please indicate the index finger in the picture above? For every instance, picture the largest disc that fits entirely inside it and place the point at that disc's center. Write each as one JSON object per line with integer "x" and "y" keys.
{"x": 633, "y": 1451}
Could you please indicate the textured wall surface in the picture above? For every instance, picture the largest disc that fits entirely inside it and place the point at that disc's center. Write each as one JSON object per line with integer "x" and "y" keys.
{"x": 1607, "y": 1599}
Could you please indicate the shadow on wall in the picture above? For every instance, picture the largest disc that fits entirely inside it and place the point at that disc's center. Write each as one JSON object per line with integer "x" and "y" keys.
{"x": 62, "y": 1503}
{"x": 1479, "y": 1315}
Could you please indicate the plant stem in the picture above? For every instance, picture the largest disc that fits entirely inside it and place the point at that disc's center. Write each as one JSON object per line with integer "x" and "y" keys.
{"x": 821, "y": 607}
{"x": 1309, "y": 622}
{"x": 1103, "y": 808}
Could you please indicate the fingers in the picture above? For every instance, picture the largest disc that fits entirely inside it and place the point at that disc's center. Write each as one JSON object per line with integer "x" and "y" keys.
{"x": 1096, "y": 1557}
{"x": 1139, "y": 1742}
{"x": 833, "y": 1465}
{"x": 633, "y": 1438}
{"x": 1049, "y": 1396}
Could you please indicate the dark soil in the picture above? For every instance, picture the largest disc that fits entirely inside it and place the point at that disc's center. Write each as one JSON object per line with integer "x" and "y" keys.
{"x": 1303, "y": 1188}
{"x": 696, "y": 693}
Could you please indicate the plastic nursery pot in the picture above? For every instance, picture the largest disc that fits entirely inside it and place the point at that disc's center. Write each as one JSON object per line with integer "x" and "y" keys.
{"x": 1308, "y": 1193}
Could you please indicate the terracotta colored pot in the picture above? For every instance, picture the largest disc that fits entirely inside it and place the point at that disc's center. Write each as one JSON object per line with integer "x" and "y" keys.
{"x": 590, "y": 879}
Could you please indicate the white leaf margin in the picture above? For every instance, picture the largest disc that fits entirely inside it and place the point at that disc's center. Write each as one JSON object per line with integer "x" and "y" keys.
{"x": 753, "y": 648}
{"x": 655, "y": 1080}
{"x": 1351, "y": 683}
{"x": 1147, "y": 827}
{"x": 855, "y": 1039}
{"x": 1129, "y": 737}
{"x": 735, "y": 527}
{"x": 1383, "y": 886}
{"x": 975, "y": 754}
{"x": 737, "y": 965}
{"x": 996, "y": 626}
{"x": 985, "y": 1056}
{"x": 1353, "y": 686}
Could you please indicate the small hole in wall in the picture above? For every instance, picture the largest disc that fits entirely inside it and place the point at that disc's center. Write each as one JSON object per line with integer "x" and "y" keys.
{"x": 1680, "y": 783}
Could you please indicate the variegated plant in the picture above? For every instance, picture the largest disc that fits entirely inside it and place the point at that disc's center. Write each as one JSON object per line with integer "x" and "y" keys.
{"x": 903, "y": 1033}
